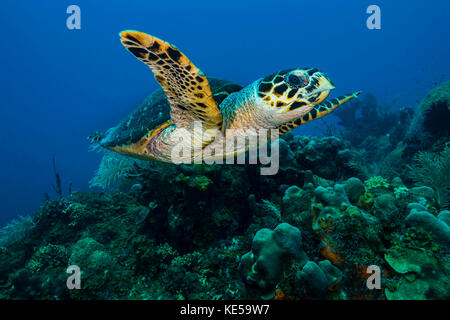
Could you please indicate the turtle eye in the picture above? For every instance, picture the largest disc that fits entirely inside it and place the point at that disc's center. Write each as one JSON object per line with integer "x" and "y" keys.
{"x": 295, "y": 80}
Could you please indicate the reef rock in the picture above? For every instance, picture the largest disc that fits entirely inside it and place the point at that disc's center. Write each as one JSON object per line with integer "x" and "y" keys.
{"x": 263, "y": 265}
{"x": 314, "y": 280}
{"x": 385, "y": 207}
{"x": 438, "y": 228}
{"x": 354, "y": 188}
{"x": 325, "y": 156}
{"x": 424, "y": 192}
{"x": 333, "y": 273}
{"x": 333, "y": 197}
{"x": 444, "y": 215}
{"x": 296, "y": 200}
{"x": 287, "y": 157}
{"x": 423, "y": 276}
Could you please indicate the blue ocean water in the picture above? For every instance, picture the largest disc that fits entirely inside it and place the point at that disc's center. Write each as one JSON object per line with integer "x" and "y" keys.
{"x": 60, "y": 85}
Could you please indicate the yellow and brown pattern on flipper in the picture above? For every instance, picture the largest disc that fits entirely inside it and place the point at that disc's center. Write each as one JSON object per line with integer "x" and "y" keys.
{"x": 186, "y": 87}
{"x": 318, "y": 111}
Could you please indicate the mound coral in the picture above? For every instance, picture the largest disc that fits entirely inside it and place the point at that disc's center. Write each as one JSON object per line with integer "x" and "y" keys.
{"x": 431, "y": 118}
{"x": 429, "y": 130}
{"x": 354, "y": 188}
{"x": 263, "y": 266}
{"x": 437, "y": 227}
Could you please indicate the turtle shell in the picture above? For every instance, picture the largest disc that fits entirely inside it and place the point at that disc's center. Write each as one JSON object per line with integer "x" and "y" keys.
{"x": 153, "y": 112}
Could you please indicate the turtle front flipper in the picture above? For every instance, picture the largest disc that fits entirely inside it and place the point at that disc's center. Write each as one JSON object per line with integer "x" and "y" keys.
{"x": 185, "y": 86}
{"x": 319, "y": 111}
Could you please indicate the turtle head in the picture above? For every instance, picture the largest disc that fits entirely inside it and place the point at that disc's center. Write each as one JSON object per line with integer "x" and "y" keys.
{"x": 288, "y": 95}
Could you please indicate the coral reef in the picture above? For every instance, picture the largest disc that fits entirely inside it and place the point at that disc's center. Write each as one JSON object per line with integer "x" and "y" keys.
{"x": 429, "y": 222}
{"x": 430, "y": 124}
{"x": 386, "y": 140}
{"x": 271, "y": 249}
{"x": 365, "y": 118}
{"x": 226, "y": 232}
{"x": 336, "y": 208}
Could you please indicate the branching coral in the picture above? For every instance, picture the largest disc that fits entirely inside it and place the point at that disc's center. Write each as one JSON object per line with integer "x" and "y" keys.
{"x": 433, "y": 170}
{"x": 375, "y": 182}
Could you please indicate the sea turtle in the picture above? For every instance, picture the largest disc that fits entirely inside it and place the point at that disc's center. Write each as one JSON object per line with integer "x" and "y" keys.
{"x": 201, "y": 112}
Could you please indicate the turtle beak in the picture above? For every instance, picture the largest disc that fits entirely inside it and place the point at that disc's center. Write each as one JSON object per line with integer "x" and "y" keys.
{"x": 319, "y": 88}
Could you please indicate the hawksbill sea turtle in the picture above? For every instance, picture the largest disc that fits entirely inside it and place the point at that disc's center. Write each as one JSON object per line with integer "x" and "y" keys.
{"x": 283, "y": 100}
